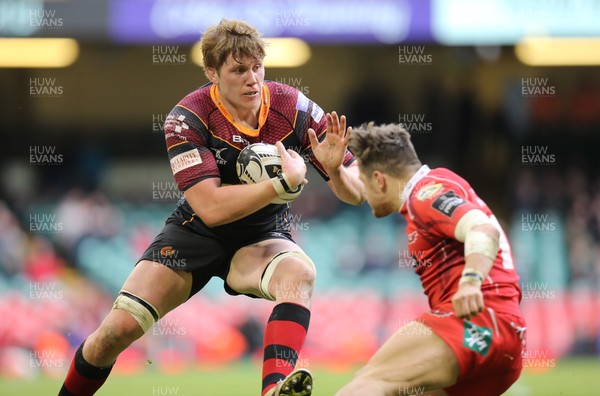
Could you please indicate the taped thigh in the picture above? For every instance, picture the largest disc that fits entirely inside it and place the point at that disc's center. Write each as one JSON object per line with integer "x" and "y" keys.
{"x": 142, "y": 311}
{"x": 270, "y": 270}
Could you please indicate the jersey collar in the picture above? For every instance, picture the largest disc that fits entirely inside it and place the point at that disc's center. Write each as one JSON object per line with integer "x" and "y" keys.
{"x": 262, "y": 112}
{"x": 412, "y": 182}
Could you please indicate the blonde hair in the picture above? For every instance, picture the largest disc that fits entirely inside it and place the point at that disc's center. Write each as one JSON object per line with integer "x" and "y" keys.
{"x": 234, "y": 37}
{"x": 385, "y": 147}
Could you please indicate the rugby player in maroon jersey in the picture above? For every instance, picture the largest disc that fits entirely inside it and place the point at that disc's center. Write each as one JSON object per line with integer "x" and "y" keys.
{"x": 471, "y": 341}
{"x": 223, "y": 228}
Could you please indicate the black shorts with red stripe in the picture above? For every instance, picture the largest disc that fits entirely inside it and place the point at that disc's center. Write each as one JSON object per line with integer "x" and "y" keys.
{"x": 181, "y": 247}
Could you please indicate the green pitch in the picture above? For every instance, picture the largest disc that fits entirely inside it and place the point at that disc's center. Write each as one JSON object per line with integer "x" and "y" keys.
{"x": 569, "y": 377}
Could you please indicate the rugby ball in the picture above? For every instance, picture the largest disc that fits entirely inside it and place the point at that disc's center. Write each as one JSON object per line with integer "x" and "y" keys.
{"x": 261, "y": 161}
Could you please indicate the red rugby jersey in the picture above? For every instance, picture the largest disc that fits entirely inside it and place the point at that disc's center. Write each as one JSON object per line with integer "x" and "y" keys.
{"x": 434, "y": 200}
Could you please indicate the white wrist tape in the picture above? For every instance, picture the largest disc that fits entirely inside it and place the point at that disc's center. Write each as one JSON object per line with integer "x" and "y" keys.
{"x": 472, "y": 276}
{"x": 281, "y": 184}
{"x": 481, "y": 243}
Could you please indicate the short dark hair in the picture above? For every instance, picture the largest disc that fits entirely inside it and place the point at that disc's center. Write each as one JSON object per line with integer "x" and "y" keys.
{"x": 384, "y": 147}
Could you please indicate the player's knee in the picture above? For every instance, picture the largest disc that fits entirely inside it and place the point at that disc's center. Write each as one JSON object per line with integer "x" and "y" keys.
{"x": 130, "y": 318}
{"x": 144, "y": 313}
{"x": 298, "y": 270}
{"x": 294, "y": 283}
{"x": 289, "y": 277}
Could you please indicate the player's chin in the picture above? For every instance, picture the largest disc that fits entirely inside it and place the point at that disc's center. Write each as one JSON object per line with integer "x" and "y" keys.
{"x": 382, "y": 210}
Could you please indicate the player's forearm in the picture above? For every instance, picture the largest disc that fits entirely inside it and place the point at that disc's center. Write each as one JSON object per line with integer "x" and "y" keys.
{"x": 479, "y": 263}
{"x": 226, "y": 204}
{"x": 481, "y": 247}
{"x": 346, "y": 185}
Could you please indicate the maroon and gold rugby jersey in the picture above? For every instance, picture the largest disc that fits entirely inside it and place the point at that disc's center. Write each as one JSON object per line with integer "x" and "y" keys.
{"x": 203, "y": 141}
{"x": 434, "y": 200}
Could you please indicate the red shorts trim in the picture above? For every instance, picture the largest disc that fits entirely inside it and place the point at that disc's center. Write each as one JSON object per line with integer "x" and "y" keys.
{"x": 488, "y": 348}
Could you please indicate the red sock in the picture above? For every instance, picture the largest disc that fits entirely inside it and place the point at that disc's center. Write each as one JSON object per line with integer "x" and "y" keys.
{"x": 83, "y": 379}
{"x": 284, "y": 338}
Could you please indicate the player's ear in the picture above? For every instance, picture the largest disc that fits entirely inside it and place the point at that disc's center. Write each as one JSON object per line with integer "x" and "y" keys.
{"x": 380, "y": 178}
{"x": 211, "y": 74}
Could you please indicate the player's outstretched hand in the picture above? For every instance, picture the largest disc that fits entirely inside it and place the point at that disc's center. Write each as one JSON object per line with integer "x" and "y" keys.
{"x": 292, "y": 165}
{"x": 468, "y": 301}
{"x": 332, "y": 150}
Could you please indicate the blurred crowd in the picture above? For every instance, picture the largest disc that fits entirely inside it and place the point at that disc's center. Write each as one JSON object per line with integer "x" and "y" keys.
{"x": 68, "y": 251}
{"x": 554, "y": 227}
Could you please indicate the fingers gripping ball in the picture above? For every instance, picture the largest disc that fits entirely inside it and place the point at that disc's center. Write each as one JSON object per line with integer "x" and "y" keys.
{"x": 261, "y": 161}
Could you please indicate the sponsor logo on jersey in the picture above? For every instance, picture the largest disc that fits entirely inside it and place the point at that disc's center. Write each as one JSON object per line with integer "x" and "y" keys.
{"x": 180, "y": 125}
{"x": 302, "y": 102}
{"x": 412, "y": 237}
{"x": 220, "y": 160}
{"x": 428, "y": 191}
{"x": 185, "y": 160}
{"x": 447, "y": 203}
{"x": 173, "y": 134}
{"x": 316, "y": 113}
{"x": 477, "y": 338}
{"x": 239, "y": 139}
{"x": 167, "y": 251}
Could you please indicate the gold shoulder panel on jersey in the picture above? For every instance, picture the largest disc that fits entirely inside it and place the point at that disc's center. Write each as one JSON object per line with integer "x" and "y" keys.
{"x": 428, "y": 191}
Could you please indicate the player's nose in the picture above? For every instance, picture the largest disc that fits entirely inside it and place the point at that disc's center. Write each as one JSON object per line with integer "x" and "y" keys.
{"x": 252, "y": 78}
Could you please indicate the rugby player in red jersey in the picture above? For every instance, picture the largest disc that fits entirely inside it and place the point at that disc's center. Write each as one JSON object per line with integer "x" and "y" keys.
{"x": 470, "y": 342}
{"x": 223, "y": 228}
